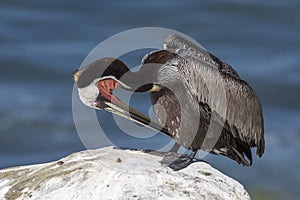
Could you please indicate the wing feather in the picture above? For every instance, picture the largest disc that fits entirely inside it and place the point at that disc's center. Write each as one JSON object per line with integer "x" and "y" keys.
{"x": 212, "y": 81}
{"x": 177, "y": 43}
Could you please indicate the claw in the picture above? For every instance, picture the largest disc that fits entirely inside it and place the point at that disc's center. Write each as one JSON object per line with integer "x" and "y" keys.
{"x": 176, "y": 161}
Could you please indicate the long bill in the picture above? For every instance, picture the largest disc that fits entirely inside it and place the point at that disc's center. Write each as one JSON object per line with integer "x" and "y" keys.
{"x": 130, "y": 113}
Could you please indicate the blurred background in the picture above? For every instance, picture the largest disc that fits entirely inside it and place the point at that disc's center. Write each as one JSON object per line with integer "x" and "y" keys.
{"x": 43, "y": 42}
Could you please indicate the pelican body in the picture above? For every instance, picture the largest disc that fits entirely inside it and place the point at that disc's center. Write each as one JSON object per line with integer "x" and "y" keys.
{"x": 180, "y": 79}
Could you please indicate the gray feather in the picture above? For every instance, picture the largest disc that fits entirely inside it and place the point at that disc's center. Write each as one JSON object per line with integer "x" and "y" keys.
{"x": 177, "y": 43}
{"x": 204, "y": 75}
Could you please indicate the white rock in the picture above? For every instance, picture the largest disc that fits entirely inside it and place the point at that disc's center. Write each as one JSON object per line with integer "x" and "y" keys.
{"x": 110, "y": 173}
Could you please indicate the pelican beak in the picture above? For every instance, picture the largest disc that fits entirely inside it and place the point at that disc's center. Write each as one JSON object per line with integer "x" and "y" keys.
{"x": 107, "y": 101}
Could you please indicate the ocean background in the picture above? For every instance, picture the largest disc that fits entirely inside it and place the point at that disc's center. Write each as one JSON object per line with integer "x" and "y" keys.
{"x": 43, "y": 42}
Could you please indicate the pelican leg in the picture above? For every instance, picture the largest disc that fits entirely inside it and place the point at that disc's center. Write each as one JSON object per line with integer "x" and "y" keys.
{"x": 178, "y": 162}
{"x": 175, "y": 147}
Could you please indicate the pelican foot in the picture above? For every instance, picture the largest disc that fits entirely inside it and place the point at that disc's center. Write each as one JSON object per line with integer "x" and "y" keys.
{"x": 176, "y": 161}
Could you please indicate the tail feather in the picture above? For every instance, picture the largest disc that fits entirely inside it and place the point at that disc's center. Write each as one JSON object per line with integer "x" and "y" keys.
{"x": 234, "y": 149}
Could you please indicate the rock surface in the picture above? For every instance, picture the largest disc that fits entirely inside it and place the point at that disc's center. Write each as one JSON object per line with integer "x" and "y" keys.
{"x": 110, "y": 173}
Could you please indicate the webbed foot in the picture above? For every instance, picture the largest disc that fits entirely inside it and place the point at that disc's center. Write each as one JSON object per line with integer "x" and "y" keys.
{"x": 176, "y": 161}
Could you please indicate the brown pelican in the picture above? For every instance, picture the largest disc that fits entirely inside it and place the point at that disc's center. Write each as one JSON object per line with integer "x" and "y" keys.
{"x": 172, "y": 76}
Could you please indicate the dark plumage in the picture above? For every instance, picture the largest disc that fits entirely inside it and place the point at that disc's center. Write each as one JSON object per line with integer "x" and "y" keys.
{"x": 201, "y": 101}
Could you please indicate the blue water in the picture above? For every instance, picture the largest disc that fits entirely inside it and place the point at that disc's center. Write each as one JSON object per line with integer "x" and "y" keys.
{"x": 42, "y": 43}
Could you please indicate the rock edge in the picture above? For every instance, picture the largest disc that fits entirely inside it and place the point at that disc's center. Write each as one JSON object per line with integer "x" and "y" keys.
{"x": 110, "y": 173}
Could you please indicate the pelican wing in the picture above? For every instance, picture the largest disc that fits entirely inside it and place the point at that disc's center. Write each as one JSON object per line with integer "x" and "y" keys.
{"x": 218, "y": 85}
{"x": 177, "y": 43}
